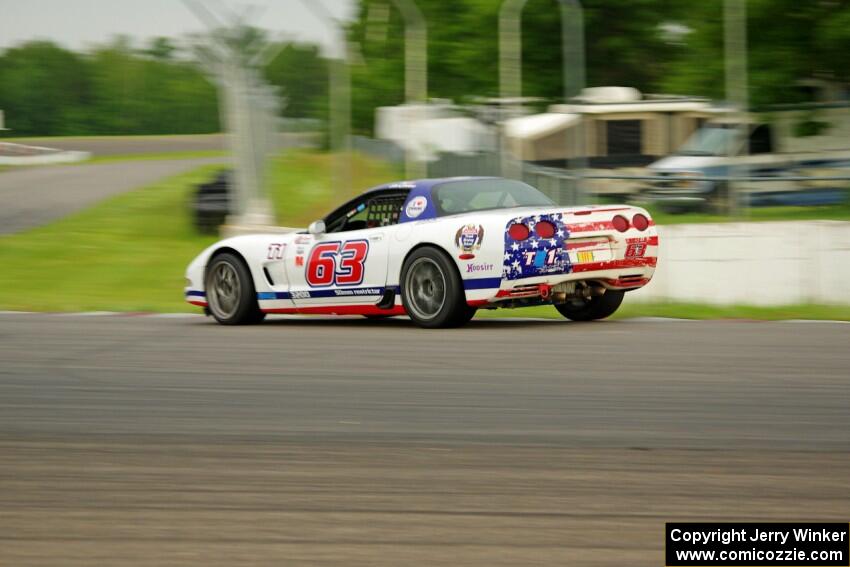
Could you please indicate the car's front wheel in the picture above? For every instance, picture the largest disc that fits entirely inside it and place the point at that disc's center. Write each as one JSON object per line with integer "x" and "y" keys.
{"x": 592, "y": 308}
{"x": 231, "y": 297}
{"x": 432, "y": 291}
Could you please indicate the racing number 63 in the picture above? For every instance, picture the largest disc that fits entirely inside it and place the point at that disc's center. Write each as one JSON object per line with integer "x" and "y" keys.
{"x": 339, "y": 263}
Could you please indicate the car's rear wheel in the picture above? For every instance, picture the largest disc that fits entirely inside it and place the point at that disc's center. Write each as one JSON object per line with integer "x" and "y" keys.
{"x": 231, "y": 297}
{"x": 432, "y": 291}
{"x": 592, "y": 308}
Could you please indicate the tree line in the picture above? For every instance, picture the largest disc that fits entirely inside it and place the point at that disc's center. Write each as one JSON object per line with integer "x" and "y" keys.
{"x": 661, "y": 46}
{"x": 657, "y": 46}
{"x": 49, "y": 90}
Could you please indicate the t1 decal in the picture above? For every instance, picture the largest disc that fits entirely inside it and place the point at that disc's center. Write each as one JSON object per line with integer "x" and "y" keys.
{"x": 337, "y": 263}
{"x": 541, "y": 257}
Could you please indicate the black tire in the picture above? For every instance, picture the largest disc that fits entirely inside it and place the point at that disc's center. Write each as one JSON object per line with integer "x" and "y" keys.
{"x": 594, "y": 308}
{"x": 231, "y": 297}
{"x": 432, "y": 291}
{"x": 465, "y": 315}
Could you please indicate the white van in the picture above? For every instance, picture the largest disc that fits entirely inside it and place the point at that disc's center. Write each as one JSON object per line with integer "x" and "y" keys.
{"x": 813, "y": 140}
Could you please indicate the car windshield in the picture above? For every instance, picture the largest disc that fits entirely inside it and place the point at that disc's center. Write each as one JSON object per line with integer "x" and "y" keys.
{"x": 710, "y": 141}
{"x": 453, "y": 197}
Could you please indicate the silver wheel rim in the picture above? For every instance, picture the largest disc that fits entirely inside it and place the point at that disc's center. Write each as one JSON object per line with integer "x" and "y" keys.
{"x": 224, "y": 290}
{"x": 425, "y": 288}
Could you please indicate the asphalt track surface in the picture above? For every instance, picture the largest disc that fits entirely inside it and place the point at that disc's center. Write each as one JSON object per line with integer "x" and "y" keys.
{"x": 155, "y": 440}
{"x": 120, "y": 145}
{"x": 34, "y": 196}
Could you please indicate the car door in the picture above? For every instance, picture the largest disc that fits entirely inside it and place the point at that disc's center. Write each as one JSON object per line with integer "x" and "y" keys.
{"x": 344, "y": 268}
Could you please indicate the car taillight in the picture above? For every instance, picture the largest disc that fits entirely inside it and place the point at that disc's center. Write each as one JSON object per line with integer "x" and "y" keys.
{"x": 544, "y": 229}
{"x": 640, "y": 222}
{"x": 620, "y": 223}
{"x": 518, "y": 231}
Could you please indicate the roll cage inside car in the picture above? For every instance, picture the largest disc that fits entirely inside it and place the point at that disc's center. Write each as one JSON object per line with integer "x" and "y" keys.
{"x": 381, "y": 207}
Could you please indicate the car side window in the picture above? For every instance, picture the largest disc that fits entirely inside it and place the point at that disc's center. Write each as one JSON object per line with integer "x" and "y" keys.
{"x": 376, "y": 210}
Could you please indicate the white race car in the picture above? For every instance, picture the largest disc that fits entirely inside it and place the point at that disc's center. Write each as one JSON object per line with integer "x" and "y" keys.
{"x": 436, "y": 250}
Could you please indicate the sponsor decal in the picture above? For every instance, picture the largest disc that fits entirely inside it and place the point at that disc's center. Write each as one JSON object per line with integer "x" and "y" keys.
{"x": 299, "y": 261}
{"x": 303, "y": 239}
{"x": 636, "y": 250}
{"x": 469, "y": 237}
{"x": 416, "y": 207}
{"x": 276, "y": 250}
{"x": 361, "y": 291}
{"x": 475, "y": 268}
{"x": 300, "y": 295}
{"x": 402, "y": 185}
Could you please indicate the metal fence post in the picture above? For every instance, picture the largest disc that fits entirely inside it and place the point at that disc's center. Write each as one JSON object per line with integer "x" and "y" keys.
{"x": 339, "y": 83}
{"x": 572, "y": 40}
{"x": 510, "y": 76}
{"x": 735, "y": 52}
{"x": 241, "y": 94}
{"x": 510, "y": 70}
{"x": 415, "y": 71}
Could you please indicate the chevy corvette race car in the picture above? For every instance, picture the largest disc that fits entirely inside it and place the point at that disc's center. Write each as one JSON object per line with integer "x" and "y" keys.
{"x": 436, "y": 250}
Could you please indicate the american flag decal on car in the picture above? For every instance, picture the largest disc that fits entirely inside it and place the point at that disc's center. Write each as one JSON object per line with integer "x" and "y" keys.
{"x": 542, "y": 252}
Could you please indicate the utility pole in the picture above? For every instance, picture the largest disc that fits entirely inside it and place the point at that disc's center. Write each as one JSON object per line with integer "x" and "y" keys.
{"x": 415, "y": 71}
{"x": 572, "y": 69}
{"x": 735, "y": 53}
{"x": 510, "y": 77}
{"x": 339, "y": 83}
{"x": 249, "y": 108}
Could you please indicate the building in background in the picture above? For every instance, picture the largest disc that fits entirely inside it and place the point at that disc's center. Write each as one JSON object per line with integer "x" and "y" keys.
{"x": 610, "y": 126}
{"x": 429, "y": 130}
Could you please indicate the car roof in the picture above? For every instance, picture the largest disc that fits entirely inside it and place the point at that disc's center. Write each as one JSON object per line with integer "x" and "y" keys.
{"x": 418, "y": 188}
{"x": 427, "y": 184}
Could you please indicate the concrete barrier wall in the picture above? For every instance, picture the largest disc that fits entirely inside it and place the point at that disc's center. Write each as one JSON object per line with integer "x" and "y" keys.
{"x": 758, "y": 263}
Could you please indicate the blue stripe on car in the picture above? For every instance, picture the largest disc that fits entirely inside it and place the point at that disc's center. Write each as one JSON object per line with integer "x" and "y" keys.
{"x": 482, "y": 283}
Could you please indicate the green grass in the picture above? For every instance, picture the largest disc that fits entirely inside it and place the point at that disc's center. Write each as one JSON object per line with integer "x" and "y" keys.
{"x": 130, "y": 252}
{"x": 301, "y": 186}
{"x": 155, "y": 156}
{"x": 830, "y": 212}
{"x": 693, "y": 311}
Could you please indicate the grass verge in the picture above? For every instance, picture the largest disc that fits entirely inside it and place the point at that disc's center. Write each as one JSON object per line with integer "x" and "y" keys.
{"x": 757, "y": 214}
{"x": 129, "y": 253}
{"x": 301, "y": 185}
{"x": 155, "y": 156}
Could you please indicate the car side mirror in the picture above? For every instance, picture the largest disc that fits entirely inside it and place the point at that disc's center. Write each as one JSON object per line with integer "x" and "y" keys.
{"x": 317, "y": 228}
